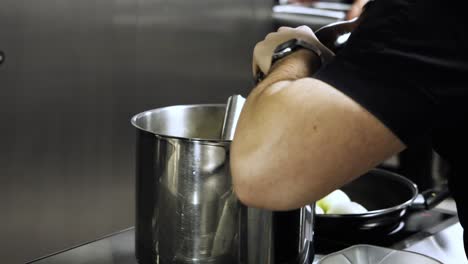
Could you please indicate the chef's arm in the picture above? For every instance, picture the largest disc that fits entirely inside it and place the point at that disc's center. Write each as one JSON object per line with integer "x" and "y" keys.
{"x": 299, "y": 138}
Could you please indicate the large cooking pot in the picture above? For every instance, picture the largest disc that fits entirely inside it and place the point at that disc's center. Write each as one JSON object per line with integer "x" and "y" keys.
{"x": 186, "y": 212}
{"x": 388, "y": 197}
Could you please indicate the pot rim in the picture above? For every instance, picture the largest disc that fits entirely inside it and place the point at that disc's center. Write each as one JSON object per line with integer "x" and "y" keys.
{"x": 210, "y": 141}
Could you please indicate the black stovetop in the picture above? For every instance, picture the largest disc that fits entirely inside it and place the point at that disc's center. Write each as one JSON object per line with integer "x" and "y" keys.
{"x": 415, "y": 226}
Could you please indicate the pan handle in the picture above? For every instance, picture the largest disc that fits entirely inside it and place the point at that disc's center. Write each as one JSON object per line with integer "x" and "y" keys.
{"x": 431, "y": 198}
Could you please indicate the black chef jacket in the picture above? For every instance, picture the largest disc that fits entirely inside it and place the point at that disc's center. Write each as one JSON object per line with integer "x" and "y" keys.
{"x": 407, "y": 64}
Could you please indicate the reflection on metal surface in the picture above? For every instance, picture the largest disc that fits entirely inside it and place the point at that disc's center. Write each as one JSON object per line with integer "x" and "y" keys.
{"x": 192, "y": 184}
{"x": 76, "y": 71}
{"x": 186, "y": 209}
{"x": 308, "y": 11}
{"x": 234, "y": 108}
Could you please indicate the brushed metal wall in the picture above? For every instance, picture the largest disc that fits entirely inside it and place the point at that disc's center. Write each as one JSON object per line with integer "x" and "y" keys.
{"x": 74, "y": 74}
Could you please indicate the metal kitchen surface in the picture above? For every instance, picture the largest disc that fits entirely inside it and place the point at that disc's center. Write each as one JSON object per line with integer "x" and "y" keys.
{"x": 439, "y": 236}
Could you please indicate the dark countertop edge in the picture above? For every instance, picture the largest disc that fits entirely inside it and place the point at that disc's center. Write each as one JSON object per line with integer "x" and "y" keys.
{"x": 80, "y": 245}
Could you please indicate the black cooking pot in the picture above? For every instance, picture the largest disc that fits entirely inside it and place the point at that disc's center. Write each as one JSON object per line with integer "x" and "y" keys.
{"x": 387, "y": 196}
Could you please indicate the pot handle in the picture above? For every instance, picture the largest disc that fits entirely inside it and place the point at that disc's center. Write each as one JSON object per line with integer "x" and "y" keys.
{"x": 429, "y": 199}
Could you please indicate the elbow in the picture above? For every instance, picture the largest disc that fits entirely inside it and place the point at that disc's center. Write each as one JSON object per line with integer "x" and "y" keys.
{"x": 243, "y": 184}
{"x": 247, "y": 182}
{"x": 260, "y": 168}
{"x": 255, "y": 195}
{"x": 244, "y": 195}
{"x": 254, "y": 186}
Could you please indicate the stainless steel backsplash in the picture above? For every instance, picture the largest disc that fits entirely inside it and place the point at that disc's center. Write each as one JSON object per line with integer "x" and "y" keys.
{"x": 74, "y": 73}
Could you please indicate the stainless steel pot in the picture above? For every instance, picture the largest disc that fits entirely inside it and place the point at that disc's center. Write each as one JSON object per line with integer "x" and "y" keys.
{"x": 186, "y": 211}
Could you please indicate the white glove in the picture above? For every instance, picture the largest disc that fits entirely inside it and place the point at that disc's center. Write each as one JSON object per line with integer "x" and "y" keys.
{"x": 264, "y": 50}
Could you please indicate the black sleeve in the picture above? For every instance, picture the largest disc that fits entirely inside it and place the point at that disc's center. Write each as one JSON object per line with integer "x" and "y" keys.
{"x": 405, "y": 63}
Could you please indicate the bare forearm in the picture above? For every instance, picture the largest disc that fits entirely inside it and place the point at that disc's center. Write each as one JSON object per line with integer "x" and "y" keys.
{"x": 298, "y": 139}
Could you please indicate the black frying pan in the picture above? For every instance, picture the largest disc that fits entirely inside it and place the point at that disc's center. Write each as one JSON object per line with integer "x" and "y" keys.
{"x": 387, "y": 195}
